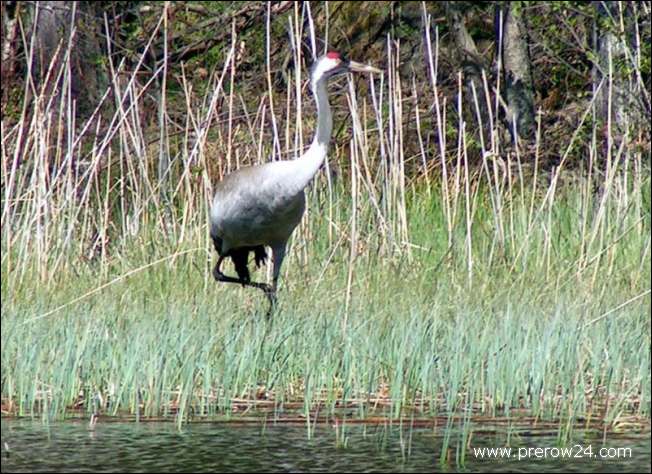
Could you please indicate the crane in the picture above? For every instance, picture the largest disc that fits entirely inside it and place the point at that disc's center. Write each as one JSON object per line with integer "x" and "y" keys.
{"x": 260, "y": 206}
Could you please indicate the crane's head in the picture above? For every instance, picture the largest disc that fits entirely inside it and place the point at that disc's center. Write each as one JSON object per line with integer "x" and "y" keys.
{"x": 333, "y": 63}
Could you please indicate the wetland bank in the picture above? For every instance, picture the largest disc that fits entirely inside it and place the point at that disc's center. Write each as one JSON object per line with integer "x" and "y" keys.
{"x": 446, "y": 289}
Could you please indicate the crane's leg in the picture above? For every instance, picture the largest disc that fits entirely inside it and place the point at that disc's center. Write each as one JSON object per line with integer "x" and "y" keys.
{"x": 278, "y": 254}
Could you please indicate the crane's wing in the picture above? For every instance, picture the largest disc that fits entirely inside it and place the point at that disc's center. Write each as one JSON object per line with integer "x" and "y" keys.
{"x": 256, "y": 206}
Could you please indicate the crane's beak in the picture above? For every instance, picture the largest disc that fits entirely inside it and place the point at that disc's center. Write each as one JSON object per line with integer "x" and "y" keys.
{"x": 359, "y": 67}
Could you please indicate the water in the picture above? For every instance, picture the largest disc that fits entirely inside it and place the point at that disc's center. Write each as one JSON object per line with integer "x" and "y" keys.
{"x": 150, "y": 447}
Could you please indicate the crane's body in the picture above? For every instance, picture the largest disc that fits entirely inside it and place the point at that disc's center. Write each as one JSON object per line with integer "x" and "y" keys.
{"x": 253, "y": 207}
{"x": 260, "y": 206}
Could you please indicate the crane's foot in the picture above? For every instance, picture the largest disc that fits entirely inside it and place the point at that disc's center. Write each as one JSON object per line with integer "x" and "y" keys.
{"x": 271, "y": 297}
{"x": 270, "y": 293}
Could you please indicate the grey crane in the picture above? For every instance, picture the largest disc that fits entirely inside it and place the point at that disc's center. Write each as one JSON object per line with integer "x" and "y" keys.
{"x": 260, "y": 206}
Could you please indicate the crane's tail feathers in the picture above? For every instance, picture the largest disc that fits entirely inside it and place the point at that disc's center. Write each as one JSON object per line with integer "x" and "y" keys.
{"x": 240, "y": 259}
{"x": 260, "y": 255}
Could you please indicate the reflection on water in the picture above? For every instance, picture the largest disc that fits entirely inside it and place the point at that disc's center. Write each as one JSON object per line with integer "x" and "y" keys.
{"x": 152, "y": 447}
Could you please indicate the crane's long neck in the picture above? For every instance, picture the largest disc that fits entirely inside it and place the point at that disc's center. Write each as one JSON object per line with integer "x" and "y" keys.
{"x": 324, "y": 117}
{"x": 310, "y": 162}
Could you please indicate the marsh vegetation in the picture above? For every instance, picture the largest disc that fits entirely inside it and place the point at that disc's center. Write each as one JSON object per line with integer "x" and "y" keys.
{"x": 474, "y": 279}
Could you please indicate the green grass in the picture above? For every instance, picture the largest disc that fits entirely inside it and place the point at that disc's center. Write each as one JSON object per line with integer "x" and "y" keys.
{"x": 414, "y": 328}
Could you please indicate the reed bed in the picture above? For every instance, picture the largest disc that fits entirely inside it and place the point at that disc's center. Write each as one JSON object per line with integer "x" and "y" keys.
{"x": 466, "y": 280}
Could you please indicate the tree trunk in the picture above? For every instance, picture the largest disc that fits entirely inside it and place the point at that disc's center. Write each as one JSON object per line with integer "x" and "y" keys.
{"x": 516, "y": 67}
{"x": 621, "y": 102}
{"x": 55, "y": 37}
{"x": 9, "y": 33}
{"x": 471, "y": 63}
